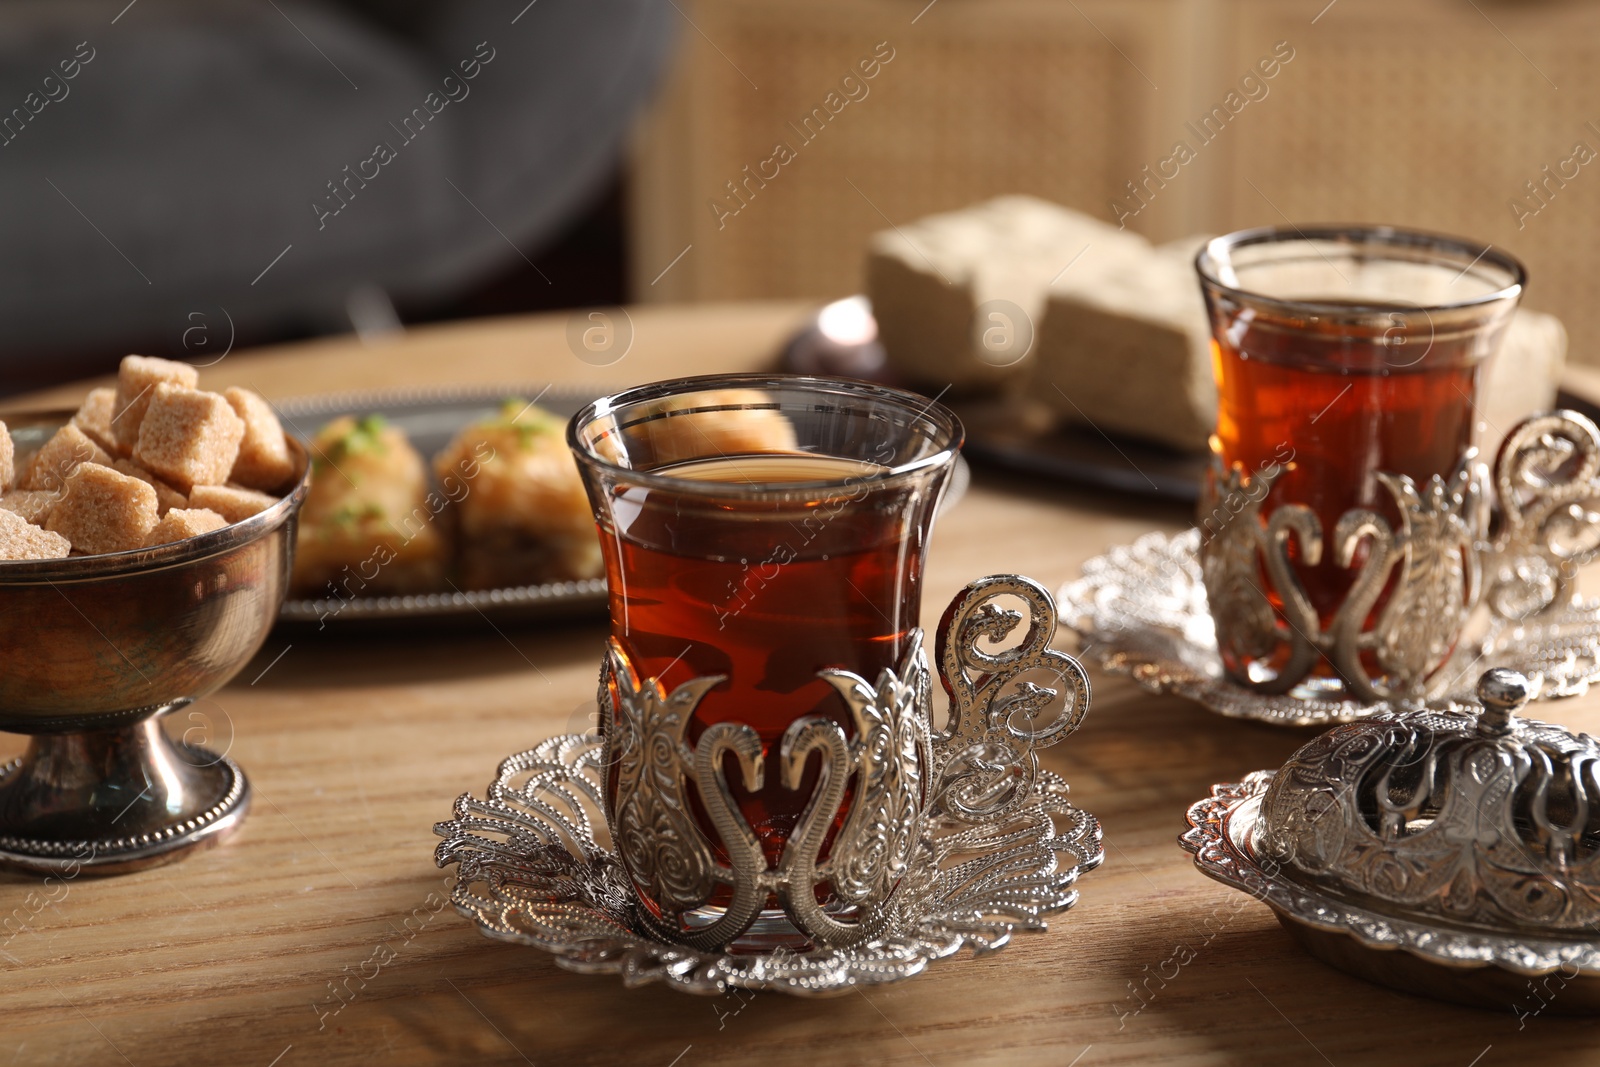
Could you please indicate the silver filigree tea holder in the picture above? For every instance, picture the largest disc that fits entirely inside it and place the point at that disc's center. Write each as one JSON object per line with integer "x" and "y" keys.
{"x": 1480, "y": 571}
{"x": 953, "y": 838}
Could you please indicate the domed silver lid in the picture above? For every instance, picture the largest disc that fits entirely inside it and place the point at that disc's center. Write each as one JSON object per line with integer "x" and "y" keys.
{"x": 1485, "y": 820}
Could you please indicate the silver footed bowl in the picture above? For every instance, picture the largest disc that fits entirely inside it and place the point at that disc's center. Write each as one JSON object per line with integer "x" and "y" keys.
{"x": 96, "y": 650}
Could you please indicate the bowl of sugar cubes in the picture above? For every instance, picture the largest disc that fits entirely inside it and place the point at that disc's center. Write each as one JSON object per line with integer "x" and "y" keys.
{"x": 146, "y": 542}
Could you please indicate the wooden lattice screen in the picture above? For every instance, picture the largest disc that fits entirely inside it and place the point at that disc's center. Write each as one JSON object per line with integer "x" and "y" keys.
{"x": 1428, "y": 113}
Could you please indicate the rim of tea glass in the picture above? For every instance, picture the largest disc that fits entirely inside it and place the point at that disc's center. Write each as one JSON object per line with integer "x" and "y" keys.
{"x": 942, "y": 418}
{"x": 1215, "y": 256}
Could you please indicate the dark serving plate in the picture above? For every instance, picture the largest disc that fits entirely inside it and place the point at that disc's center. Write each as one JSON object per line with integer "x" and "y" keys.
{"x": 431, "y": 417}
{"x": 1074, "y": 455}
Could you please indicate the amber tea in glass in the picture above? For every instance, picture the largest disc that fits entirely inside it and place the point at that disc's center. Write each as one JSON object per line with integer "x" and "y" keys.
{"x": 1340, "y": 353}
{"x": 762, "y": 529}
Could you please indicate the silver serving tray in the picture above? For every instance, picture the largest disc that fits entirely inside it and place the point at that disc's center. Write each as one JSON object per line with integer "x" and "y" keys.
{"x": 431, "y": 417}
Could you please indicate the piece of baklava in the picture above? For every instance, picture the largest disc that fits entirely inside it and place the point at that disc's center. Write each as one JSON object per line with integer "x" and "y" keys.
{"x": 370, "y": 525}
{"x": 522, "y": 516}
{"x": 717, "y": 422}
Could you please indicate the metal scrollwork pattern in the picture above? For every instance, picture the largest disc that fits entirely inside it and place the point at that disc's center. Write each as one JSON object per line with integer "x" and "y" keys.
{"x": 884, "y": 785}
{"x": 1000, "y": 715}
{"x": 1222, "y": 834}
{"x": 1231, "y": 562}
{"x": 1435, "y": 592}
{"x": 1488, "y": 820}
{"x": 1432, "y": 596}
{"x": 873, "y": 849}
{"x": 673, "y": 861}
{"x": 651, "y": 821}
{"x": 1141, "y": 610}
{"x": 891, "y": 750}
{"x": 1546, "y": 476}
{"x": 1493, "y": 560}
{"x": 1467, "y": 839}
{"x": 530, "y": 871}
{"x": 891, "y": 768}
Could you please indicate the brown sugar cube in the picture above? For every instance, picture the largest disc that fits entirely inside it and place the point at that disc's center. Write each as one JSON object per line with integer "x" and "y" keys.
{"x": 233, "y": 502}
{"x": 32, "y": 504}
{"x": 103, "y": 511}
{"x": 167, "y": 497}
{"x": 264, "y": 461}
{"x": 180, "y": 524}
{"x": 137, "y": 382}
{"x": 23, "y": 464}
{"x": 94, "y": 418}
{"x": 188, "y": 438}
{"x": 60, "y": 456}
{"x": 8, "y": 459}
{"x": 20, "y": 539}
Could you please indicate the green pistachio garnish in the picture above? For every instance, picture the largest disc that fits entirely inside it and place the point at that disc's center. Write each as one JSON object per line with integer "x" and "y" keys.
{"x": 365, "y": 436}
{"x": 528, "y": 421}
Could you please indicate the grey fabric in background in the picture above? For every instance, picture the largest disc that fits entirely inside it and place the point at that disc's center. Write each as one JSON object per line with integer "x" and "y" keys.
{"x": 185, "y": 156}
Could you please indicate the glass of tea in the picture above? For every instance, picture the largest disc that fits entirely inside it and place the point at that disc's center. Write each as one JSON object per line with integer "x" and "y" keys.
{"x": 758, "y": 531}
{"x": 1337, "y": 521}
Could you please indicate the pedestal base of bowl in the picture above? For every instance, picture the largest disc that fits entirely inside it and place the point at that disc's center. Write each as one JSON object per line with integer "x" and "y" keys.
{"x": 115, "y": 800}
{"x": 1483, "y": 986}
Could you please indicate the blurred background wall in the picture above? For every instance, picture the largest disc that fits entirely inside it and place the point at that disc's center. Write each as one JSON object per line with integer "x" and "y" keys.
{"x": 1423, "y": 113}
{"x": 165, "y": 196}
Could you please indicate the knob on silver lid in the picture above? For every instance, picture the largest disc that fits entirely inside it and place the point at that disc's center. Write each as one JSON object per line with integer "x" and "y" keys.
{"x": 1503, "y": 692}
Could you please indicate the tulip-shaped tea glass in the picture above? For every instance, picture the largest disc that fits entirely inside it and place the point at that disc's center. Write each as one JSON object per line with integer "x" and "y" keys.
{"x": 1339, "y": 520}
{"x": 764, "y": 541}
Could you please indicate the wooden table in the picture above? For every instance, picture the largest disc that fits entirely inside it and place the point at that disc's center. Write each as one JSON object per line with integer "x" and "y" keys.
{"x": 356, "y": 747}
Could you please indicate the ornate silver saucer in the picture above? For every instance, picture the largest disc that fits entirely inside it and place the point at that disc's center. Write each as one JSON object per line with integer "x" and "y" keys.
{"x": 590, "y": 847}
{"x": 1451, "y": 853}
{"x": 1140, "y": 610}
{"x": 1477, "y": 571}
{"x": 534, "y": 868}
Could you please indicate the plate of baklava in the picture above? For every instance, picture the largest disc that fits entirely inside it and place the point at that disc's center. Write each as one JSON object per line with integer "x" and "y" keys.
{"x": 432, "y": 505}
{"x": 448, "y": 504}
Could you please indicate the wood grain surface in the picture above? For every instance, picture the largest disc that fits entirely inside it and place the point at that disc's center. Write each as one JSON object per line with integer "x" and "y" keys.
{"x": 356, "y": 746}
